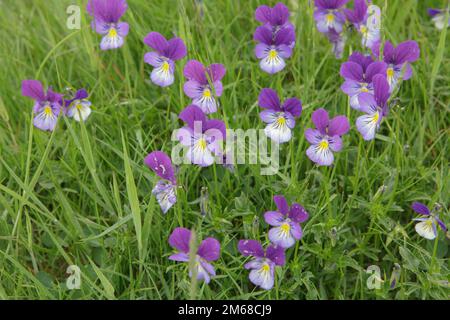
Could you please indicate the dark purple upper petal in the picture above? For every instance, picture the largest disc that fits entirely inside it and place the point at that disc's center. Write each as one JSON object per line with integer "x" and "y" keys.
{"x": 352, "y": 70}
{"x": 107, "y": 10}
{"x": 209, "y": 249}
{"x": 276, "y": 254}
{"x": 339, "y": 126}
{"x": 268, "y": 99}
{"x": 179, "y": 239}
{"x": 157, "y": 42}
{"x": 176, "y": 49}
{"x": 282, "y": 205}
{"x": 33, "y": 89}
{"x": 263, "y": 35}
{"x": 191, "y": 114}
{"x": 216, "y": 124}
{"x": 293, "y": 106}
{"x": 284, "y": 36}
{"x": 358, "y": 14}
{"x": 363, "y": 60}
{"x": 388, "y": 52}
{"x": 381, "y": 89}
{"x": 378, "y": 67}
{"x": 161, "y": 164}
{"x": 320, "y": 119}
{"x": 54, "y": 97}
{"x": 262, "y": 14}
{"x": 420, "y": 208}
{"x": 297, "y": 213}
{"x": 195, "y": 70}
{"x": 432, "y": 12}
{"x": 407, "y": 51}
{"x": 279, "y": 14}
{"x": 441, "y": 224}
{"x": 81, "y": 94}
{"x": 330, "y": 4}
{"x": 251, "y": 248}
{"x": 216, "y": 72}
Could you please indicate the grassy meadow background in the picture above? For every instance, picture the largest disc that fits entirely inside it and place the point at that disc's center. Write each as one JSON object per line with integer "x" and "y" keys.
{"x": 82, "y": 196}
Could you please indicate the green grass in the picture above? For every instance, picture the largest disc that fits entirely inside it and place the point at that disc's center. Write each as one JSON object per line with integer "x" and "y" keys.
{"x": 83, "y": 196}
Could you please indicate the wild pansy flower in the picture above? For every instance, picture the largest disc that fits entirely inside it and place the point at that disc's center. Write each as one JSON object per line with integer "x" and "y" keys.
{"x": 427, "y": 227}
{"x": 358, "y": 73}
{"x": 326, "y": 138}
{"x": 107, "y": 14}
{"x": 79, "y": 108}
{"x": 280, "y": 118}
{"x": 164, "y": 190}
{"x": 204, "y": 84}
{"x": 275, "y": 19}
{"x": 329, "y": 16}
{"x": 286, "y": 222}
{"x": 439, "y": 18}
{"x": 273, "y": 49}
{"x": 208, "y": 250}
{"x": 366, "y": 19}
{"x": 263, "y": 266}
{"x": 375, "y": 106}
{"x": 164, "y": 57}
{"x": 398, "y": 60}
{"x": 202, "y": 136}
{"x": 47, "y": 105}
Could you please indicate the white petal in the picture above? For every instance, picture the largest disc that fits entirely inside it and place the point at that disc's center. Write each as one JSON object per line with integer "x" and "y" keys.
{"x": 199, "y": 153}
{"x": 367, "y": 125}
{"x": 282, "y": 236}
{"x": 263, "y": 277}
{"x": 278, "y": 130}
{"x": 162, "y": 76}
{"x": 426, "y": 229}
{"x": 272, "y": 64}
{"x": 79, "y": 110}
{"x": 111, "y": 41}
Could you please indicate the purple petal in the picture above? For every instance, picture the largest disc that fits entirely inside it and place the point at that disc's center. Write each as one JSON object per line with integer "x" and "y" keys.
{"x": 122, "y": 29}
{"x": 297, "y": 213}
{"x": 193, "y": 89}
{"x": 268, "y": 116}
{"x": 216, "y": 72}
{"x": 268, "y": 99}
{"x": 181, "y": 256}
{"x": 335, "y": 143}
{"x": 284, "y": 36}
{"x": 339, "y": 125}
{"x": 263, "y": 35}
{"x": 107, "y": 10}
{"x": 209, "y": 249}
{"x": 276, "y": 254}
{"x": 192, "y": 114}
{"x": 363, "y": 60}
{"x": 378, "y": 67}
{"x": 388, "y": 52}
{"x": 194, "y": 70}
{"x": 320, "y": 119}
{"x": 281, "y": 204}
{"x": 251, "y": 248}
{"x": 293, "y": 106}
{"x": 367, "y": 103}
{"x": 54, "y": 96}
{"x": 351, "y": 87}
{"x": 420, "y": 208}
{"x": 176, "y": 49}
{"x": 279, "y": 14}
{"x": 179, "y": 239}
{"x": 262, "y": 13}
{"x": 357, "y": 15}
{"x": 381, "y": 89}
{"x": 161, "y": 164}
{"x": 81, "y": 94}
{"x": 153, "y": 58}
{"x": 313, "y": 136}
{"x": 296, "y": 230}
{"x": 273, "y": 218}
{"x": 432, "y": 12}
{"x": 352, "y": 71}
{"x": 215, "y": 124}
{"x": 261, "y": 50}
{"x": 407, "y": 51}
{"x": 441, "y": 224}
{"x": 33, "y": 89}
{"x": 157, "y": 42}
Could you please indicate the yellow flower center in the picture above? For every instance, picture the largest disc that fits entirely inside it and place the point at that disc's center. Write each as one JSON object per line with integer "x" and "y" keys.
{"x": 112, "y": 33}
{"x": 330, "y": 17}
{"x": 265, "y": 268}
{"x": 79, "y": 106}
{"x": 364, "y": 89}
{"x": 273, "y": 54}
{"x": 285, "y": 227}
{"x": 390, "y": 72}
{"x": 363, "y": 29}
{"x": 207, "y": 93}
{"x": 165, "y": 66}
{"x": 202, "y": 144}
{"x": 48, "y": 111}
{"x": 375, "y": 118}
{"x": 281, "y": 121}
{"x": 323, "y": 144}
